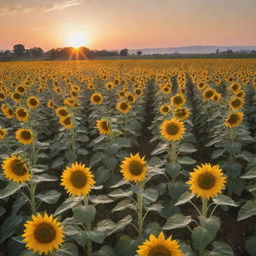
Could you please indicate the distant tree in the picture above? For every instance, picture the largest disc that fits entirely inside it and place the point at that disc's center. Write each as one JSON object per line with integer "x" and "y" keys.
{"x": 229, "y": 51}
{"x": 139, "y": 53}
{"x": 19, "y": 49}
{"x": 124, "y": 52}
{"x": 217, "y": 51}
{"x": 36, "y": 51}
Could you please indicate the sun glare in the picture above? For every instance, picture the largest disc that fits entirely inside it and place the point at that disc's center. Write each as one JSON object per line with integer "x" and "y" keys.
{"x": 77, "y": 40}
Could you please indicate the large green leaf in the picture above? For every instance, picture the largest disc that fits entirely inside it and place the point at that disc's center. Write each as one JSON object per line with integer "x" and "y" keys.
{"x": 10, "y": 189}
{"x": 224, "y": 200}
{"x": 184, "y": 198}
{"x": 247, "y": 210}
{"x": 49, "y": 197}
{"x": 201, "y": 238}
{"x": 84, "y": 213}
{"x": 177, "y": 221}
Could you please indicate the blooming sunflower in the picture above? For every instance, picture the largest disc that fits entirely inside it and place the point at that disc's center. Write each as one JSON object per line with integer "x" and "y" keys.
{"x": 61, "y": 112}
{"x": 97, "y": 98}
{"x": 207, "y": 181}
{"x": 50, "y": 104}
{"x": 7, "y": 111}
{"x": 172, "y": 129}
{"x": 159, "y": 246}
{"x": 24, "y": 136}
{"x": 66, "y": 122}
{"x": 134, "y": 168}
{"x": 131, "y": 98}
{"x": 33, "y": 102}
{"x": 234, "y": 119}
{"x": 181, "y": 113}
{"x": 16, "y": 168}
{"x": 236, "y": 103}
{"x": 77, "y": 179}
{"x": 103, "y": 126}
{"x": 165, "y": 109}
{"x": 208, "y": 94}
{"x": 16, "y": 97}
{"x": 3, "y": 133}
{"x": 43, "y": 234}
{"x": 178, "y": 100}
{"x": 123, "y": 107}
{"x": 22, "y": 114}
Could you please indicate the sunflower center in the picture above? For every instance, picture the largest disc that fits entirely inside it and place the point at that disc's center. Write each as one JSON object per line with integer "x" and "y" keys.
{"x": 123, "y": 106}
{"x": 33, "y": 102}
{"x": 233, "y": 119}
{"x": 177, "y": 100}
{"x": 18, "y": 167}
{"x": 159, "y": 251}
{"x": 165, "y": 109}
{"x": 67, "y": 121}
{"x": 135, "y": 168}
{"x": 209, "y": 94}
{"x": 236, "y": 103}
{"x": 22, "y": 113}
{"x": 45, "y": 233}
{"x": 172, "y": 129}
{"x": 96, "y": 98}
{"x": 104, "y": 126}
{"x": 26, "y": 135}
{"x": 78, "y": 179}
{"x": 206, "y": 180}
{"x": 16, "y": 96}
{"x": 63, "y": 112}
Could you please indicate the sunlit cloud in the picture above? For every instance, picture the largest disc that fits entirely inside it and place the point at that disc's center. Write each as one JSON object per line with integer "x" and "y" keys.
{"x": 8, "y": 7}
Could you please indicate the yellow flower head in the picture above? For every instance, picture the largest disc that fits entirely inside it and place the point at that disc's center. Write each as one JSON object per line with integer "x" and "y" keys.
{"x": 172, "y": 129}
{"x": 207, "y": 181}
{"x": 103, "y": 126}
{"x": 24, "y": 136}
{"x": 43, "y": 234}
{"x": 234, "y": 119}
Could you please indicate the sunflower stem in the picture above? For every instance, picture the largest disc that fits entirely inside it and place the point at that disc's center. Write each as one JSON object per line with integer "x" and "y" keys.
{"x": 89, "y": 229}
{"x": 172, "y": 152}
{"x": 204, "y": 207}
{"x": 140, "y": 209}
{"x": 32, "y": 185}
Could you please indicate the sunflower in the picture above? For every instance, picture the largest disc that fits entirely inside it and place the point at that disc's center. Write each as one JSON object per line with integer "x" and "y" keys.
{"x": 20, "y": 89}
{"x": 123, "y": 107}
{"x": 3, "y": 133}
{"x": 22, "y": 114}
{"x": 16, "y": 97}
{"x": 165, "y": 109}
{"x": 207, "y": 181}
{"x": 7, "y": 111}
{"x": 66, "y": 122}
{"x": 134, "y": 168}
{"x": 208, "y": 94}
{"x": 33, "y": 102}
{"x": 138, "y": 92}
{"x": 131, "y": 98}
{"x": 178, "y": 100}
{"x": 182, "y": 113}
{"x": 24, "y": 136}
{"x": 166, "y": 89}
{"x": 234, "y": 119}
{"x": 43, "y": 234}
{"x": 236, "y": 103}
{"x": 159, "y": 246}
{"x": 16, "y": 169}
{"x": 240, "y": 94}
{"x": 50, "y": 104}
{"x": 103, "y": 126}
{"x": 97, "y": 98}
{"x": 235, "y": 87}
{"x": 77, "y": 180}
{"x": 109, "y": 86}
{"x": 61, "y": 112}
{"x": 216, "y": 97}
{"x": 201, "y": 86}
{"x": 172, "y": 129}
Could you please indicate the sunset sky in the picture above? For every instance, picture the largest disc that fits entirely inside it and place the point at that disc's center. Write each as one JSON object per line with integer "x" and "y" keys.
{"x": 115, "y": 24}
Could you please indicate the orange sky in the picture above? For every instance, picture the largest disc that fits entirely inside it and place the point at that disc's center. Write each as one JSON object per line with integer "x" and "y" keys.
{"x": 114, "y": 24}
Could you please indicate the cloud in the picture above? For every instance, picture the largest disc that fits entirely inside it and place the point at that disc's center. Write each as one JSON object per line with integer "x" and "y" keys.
{"x": 8, "y": 7}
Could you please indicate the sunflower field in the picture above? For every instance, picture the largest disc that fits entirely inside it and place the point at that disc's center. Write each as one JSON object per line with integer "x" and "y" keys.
{"x": 128, "y": 158}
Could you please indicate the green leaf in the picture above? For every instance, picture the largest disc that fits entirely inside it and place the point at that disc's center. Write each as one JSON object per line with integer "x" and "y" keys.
{"x": 224, "y": 200}
{"x": 96, "y": 158}
{"x": 67, "y": 249}
{"x": 249, "y": 175}
{"x": 44, "y": 177}
{"x": 68, "y": 204}
{"x": 125, "y": 246}
{"x": 160, "y": 149}
{"x": 173, "y": 170}
{"x": 122, "y": 205}
{"x": 110, "y": 162}
{"x": 150, "y": 195}
{"x": 10, "y": 189}
{"x": 247, "y": 210}
{"x": 201, "y": 238}
{"x": 250, "y": 245}
{"x": 176, "y": 189}
{"x": 119, "y": 184}
{"x": 96, "y": 236}
{"x": 123, "y": 142}
{"x": 185, "y": 197}
{"x": 186, "y": 160}
{"x": 84, "y": 213}
{"x": 105, "y": 251}
{"x": 105, "y": 226}
{"x": 76, "y": 234}
{"x": 119, "y": 193}
{"x": 50, "y": 197}
{"x": 122, "y": 224}
{"x": 187, "y": 148}
{"x": 222, "y": 249}
{"x": 177, "y": 221}
{"x": 212, "y": 224}
{"x": 101, "y": 199}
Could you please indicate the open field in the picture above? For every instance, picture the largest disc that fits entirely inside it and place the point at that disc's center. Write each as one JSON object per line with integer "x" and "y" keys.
{"x": 119, "y": 151}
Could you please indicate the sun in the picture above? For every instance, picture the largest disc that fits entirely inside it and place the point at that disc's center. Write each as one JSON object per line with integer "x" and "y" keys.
{"x": 77, "y": 40}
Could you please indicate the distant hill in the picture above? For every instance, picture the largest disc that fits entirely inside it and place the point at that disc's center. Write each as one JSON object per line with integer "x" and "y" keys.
{"x": 191, "y": 49}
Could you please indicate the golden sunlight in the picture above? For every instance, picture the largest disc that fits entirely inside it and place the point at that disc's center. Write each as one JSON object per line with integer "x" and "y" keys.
{"x": 76, "y": 40}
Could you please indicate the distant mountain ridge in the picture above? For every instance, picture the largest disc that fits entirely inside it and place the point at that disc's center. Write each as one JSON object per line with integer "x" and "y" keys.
{"x": 191, "y": 49}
